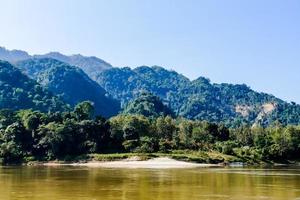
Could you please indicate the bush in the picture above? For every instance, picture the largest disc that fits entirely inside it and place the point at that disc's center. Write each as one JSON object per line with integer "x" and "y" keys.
{"x": 165, "y": 145}
{"x": 147, "y": 145}
{"x": 226, "y": 147}
{"x": 130, "y": 145}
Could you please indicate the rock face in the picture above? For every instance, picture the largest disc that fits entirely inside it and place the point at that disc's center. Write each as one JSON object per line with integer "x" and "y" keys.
{"x": 244, "y": 110}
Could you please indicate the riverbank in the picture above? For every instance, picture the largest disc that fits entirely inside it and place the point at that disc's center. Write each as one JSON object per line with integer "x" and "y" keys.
{"x": 178, "y": 159}
{"x": 154, "y": 163}
{"x": 174, "y": 159}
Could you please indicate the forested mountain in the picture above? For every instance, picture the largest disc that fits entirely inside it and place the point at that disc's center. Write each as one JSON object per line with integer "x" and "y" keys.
{"x": 69, "y": 82}
{"x": 90, "y": 65}
{"x": 17, "y": 91}
{"x": 125, "y": 83}
{"x": 200, "y": 99}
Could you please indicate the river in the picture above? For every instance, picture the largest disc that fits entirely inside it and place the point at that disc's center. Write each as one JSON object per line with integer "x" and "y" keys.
{"x": 74, "y": 183}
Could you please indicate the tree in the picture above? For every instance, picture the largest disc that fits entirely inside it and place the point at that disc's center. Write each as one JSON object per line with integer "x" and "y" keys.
{"x": 7, "y": 117}
{"x": 166, "y": 128}
{"x": 148, "y": 105}
{"x": 84, "y": 110}
{"x": 185, "y": 133}
{"x": 48, "y": 141}
{"x": 15, "y": 143}
{"x": 127, "y": 130}
{"x": 31, "y": 119}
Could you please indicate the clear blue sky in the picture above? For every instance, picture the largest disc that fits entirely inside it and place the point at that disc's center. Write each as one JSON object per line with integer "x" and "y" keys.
{"x": 256, "y": 42}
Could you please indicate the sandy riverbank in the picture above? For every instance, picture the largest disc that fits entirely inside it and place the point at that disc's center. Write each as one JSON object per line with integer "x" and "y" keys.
{"x": 155, "y": 163}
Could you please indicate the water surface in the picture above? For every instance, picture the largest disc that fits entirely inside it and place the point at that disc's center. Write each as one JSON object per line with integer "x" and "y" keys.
{"x": 74, "y": 183}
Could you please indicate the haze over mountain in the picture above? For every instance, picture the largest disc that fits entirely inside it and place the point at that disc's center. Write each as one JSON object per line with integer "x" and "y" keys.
{"x": 13, "y": 55}
{"x": 198, "y": 99}
{"x": 90, "y": 65}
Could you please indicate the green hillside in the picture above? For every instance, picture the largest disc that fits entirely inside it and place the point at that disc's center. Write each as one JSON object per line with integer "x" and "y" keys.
{"x": 69, "y": 82}
{"x": 200, "y": 99}
{"x": 17, "y": 91}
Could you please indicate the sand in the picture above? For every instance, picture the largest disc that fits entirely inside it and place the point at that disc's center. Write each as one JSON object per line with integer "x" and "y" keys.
{"x": 155, "y": 163}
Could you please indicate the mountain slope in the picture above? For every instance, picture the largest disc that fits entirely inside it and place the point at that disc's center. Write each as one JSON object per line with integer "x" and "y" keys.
{"x": 69, "y": 82}
{"x": 200, "y": 99}
{"x": 125, "y": 83}
{"x": 17, "y": 91}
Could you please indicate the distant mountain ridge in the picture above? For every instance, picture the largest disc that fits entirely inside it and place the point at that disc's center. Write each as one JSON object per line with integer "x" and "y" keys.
{"x": 232, "y": 104}
{"x": 90, "y": 65}
{"x": 13, "y": 55}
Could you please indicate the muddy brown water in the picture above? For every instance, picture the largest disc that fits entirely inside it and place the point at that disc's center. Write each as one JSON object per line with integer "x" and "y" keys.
{"x": 83, "y": 183}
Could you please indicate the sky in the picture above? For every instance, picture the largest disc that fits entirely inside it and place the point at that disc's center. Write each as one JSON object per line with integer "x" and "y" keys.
{"x": 256, "y": 42}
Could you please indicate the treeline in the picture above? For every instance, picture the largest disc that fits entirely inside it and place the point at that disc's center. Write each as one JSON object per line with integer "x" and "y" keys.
{"x": 31, "y": 135}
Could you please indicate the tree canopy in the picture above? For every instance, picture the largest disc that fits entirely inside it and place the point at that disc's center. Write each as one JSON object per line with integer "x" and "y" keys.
{"x": 70, "y": 83}
{"x": 148, "y": 105}
{"x": 17, "y": 91}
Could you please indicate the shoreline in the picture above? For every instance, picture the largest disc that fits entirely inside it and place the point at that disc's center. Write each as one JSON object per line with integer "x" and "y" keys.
{"x": 153, "y": 163}
{"x": 156, "y": 160}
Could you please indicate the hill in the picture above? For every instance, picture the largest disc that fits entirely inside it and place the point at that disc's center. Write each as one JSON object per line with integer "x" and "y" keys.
{"x": 17, "y": 91}
{"x": 125, "y": 83}
{"x": 200, "y": 99}
{"x": 69, "y": 82}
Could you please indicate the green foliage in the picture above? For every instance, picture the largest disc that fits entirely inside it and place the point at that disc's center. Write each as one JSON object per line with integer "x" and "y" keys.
{"x": 84, "y": 110}
{"x": 17, "y": 91}
{"x": 70, "y": 83}
{"x": 33, "y": 135}
{"x": 166, "y": 127}
{"x": 234, "y": 105}
{"x": 53, "y": 135}
{"x": 15, "y": 143}
{"x": 147, "y": 145}
{"x": 129, "y": 128}
{"x": 148, "y": 105}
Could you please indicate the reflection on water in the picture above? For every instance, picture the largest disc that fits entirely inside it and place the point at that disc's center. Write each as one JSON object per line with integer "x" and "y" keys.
{"x": 72, "y": 183}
